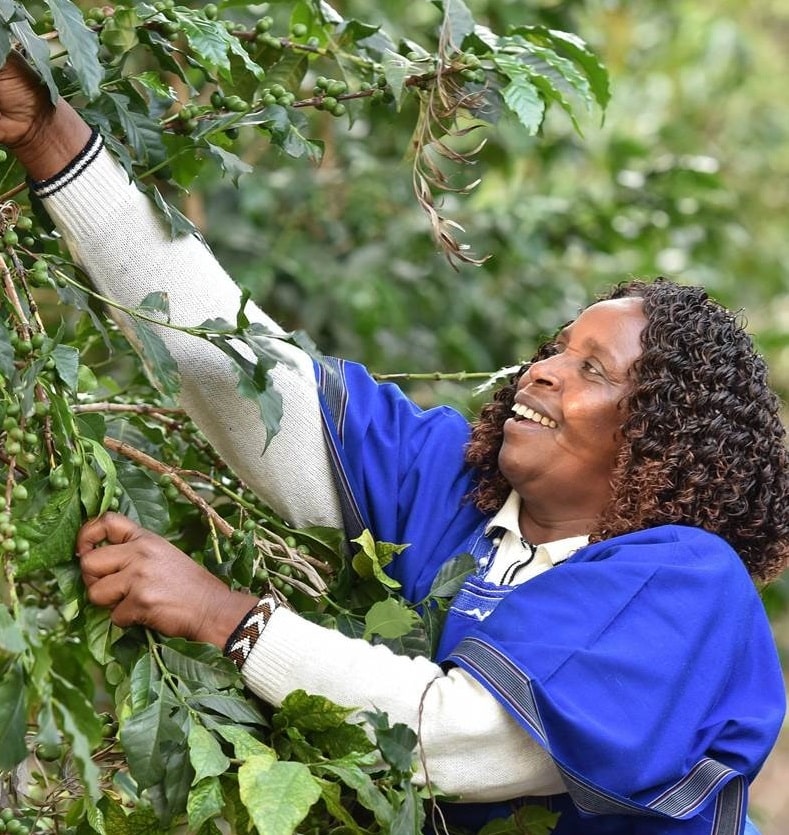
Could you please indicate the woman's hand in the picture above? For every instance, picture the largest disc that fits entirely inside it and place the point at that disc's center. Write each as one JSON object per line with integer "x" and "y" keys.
{"x": 147, "y": 581}
{"x": 45, "y": 137}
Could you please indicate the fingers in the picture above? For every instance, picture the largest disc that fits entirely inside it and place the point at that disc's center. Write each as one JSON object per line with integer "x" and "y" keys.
{"x": 112, "y": 528}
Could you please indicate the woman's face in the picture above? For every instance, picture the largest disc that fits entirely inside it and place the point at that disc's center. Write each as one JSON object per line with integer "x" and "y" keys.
{"x": 561, "y": 443}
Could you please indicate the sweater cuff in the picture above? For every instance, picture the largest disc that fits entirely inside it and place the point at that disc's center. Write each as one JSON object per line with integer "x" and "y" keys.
{"x": 52, "y": 185}
{"x": 90, "y": 189}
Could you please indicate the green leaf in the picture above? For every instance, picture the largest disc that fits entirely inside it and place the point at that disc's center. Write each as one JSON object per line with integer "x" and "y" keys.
{"x": 7, "y": 368}
{"x": 38, "y": 52}
{"x": 81, "y": 44}
{"x": 520, "y": 95}
{"x": 119, "y": 32}
{"x": 143, "y": 736}
{"x": 368, "y": 794}
{"x": 452, "y": 575}
{"x": 458, "y": 22}
{"x": 245, "y": 745}
{"x": 396, "y": 69}
{"x": 278, "y": 795}
{"x": 82, "y": 728}
{"x": 141, "y": 499}
{"x": 230, "y": 704}
{"x": 159, "y": 363}
{"x": 153, "y": 303}
{"x": 313, "y": 713}
{"x": 205, "y": 802}
{"x": 389, "y": 618}
{"x": 178, "y": 222}
{"x": 50, "y": 528}
{"x": 13, "y": 717}
{"x": 410, "y": 818}
{"x": 200, "y": 665}
{"x": 205, "y": 753}
{"x": 373, "y": 557}
{"x": 576, "y": 50}
{"x": 11, "y": 639}
{"x": 106, "y": 465}
{"x": 397, "y": 746}
{"x": 67, "y": 364}
{"x": 231, "y": 164}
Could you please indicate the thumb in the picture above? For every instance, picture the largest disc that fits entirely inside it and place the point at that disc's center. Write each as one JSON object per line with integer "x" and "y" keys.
{"x": 111, "y": 528}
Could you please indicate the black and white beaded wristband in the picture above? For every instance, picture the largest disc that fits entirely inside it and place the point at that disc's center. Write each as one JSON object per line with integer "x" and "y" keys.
{"x": 245, "y": 635}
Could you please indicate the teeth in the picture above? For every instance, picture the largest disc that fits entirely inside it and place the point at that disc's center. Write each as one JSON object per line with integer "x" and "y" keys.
{"x": 529, "y": 414}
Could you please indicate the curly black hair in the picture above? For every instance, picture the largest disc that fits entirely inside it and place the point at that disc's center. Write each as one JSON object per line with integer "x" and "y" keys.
{"x": 703, "y": 443}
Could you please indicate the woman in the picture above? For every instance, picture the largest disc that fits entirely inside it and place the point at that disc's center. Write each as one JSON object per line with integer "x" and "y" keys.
{"x": 636, "y": 683}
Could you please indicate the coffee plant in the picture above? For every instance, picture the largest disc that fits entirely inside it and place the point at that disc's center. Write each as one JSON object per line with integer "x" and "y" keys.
{"x": 123, "y": 731}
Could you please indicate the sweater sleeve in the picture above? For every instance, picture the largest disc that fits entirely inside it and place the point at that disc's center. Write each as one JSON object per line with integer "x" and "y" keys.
{"x": 114, "y": 233}
{"x": 471, "y": 748}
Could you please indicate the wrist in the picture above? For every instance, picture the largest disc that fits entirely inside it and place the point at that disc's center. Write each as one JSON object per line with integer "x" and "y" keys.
{"x": 53, "y": 142}
{"x": 223, "y": 616}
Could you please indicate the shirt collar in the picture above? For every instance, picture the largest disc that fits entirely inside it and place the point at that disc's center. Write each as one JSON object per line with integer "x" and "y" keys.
{"x": 507, "y": 519}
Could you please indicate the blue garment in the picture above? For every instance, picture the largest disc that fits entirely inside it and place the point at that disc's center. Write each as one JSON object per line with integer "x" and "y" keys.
{"x": 644, "y": 664}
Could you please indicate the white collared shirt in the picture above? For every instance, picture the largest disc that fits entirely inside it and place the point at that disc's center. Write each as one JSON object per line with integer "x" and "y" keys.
{"x": 516, "y": 561}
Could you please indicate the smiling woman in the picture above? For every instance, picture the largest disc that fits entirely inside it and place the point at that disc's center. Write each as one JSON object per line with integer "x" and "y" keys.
{"x": 562, "y": 470}
{"x": 585, "y": 662}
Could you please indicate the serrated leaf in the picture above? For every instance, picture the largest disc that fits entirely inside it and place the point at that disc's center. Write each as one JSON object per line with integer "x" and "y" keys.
{"x": 81, "y": 44}
{"x": 159, "y": 363}
{"x": 214, "y": 45}
{"x": 205, "y": 802}
{"x": 205, "y": 753}
{"x": 389, "y": 618}
{"x": 277, "y": 795}
{"x": 520, "y": 95}
{"x": 577, "y": 50}
{"x": 13, "y": 718}
{"x": 313, "y": 713}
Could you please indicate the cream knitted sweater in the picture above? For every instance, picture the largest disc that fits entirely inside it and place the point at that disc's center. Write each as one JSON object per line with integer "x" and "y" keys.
{"x": 472, "y": 748}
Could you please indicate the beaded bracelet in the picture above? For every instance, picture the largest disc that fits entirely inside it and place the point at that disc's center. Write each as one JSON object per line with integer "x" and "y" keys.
{"x": 243, "y": 638}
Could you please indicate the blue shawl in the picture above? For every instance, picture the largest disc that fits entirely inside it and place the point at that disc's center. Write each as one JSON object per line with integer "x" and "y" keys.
{"x": 645, "y": 664}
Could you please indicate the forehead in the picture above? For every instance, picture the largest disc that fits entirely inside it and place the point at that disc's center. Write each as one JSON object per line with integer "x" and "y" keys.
{"x": 612, "y": 327}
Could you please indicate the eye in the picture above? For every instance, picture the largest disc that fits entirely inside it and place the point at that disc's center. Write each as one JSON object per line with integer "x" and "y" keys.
{"x": 588, "y": 368}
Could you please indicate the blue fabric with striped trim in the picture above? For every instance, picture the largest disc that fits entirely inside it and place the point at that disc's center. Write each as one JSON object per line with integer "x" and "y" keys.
{"x": 644, "y": 664}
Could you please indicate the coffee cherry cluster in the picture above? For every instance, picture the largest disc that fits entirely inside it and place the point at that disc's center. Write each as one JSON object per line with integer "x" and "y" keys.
{"x": 328, "y": 90}
{"x": 10, "y": 823}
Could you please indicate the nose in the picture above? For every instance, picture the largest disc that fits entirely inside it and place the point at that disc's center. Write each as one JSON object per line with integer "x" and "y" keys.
{"x": 544, "y": 372}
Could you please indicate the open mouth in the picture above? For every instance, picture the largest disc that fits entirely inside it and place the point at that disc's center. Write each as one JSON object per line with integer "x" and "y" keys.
{"x": 525, "y": 413}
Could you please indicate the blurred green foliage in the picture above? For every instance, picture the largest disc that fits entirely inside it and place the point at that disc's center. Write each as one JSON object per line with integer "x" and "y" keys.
{"x": 686, "y": 177}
